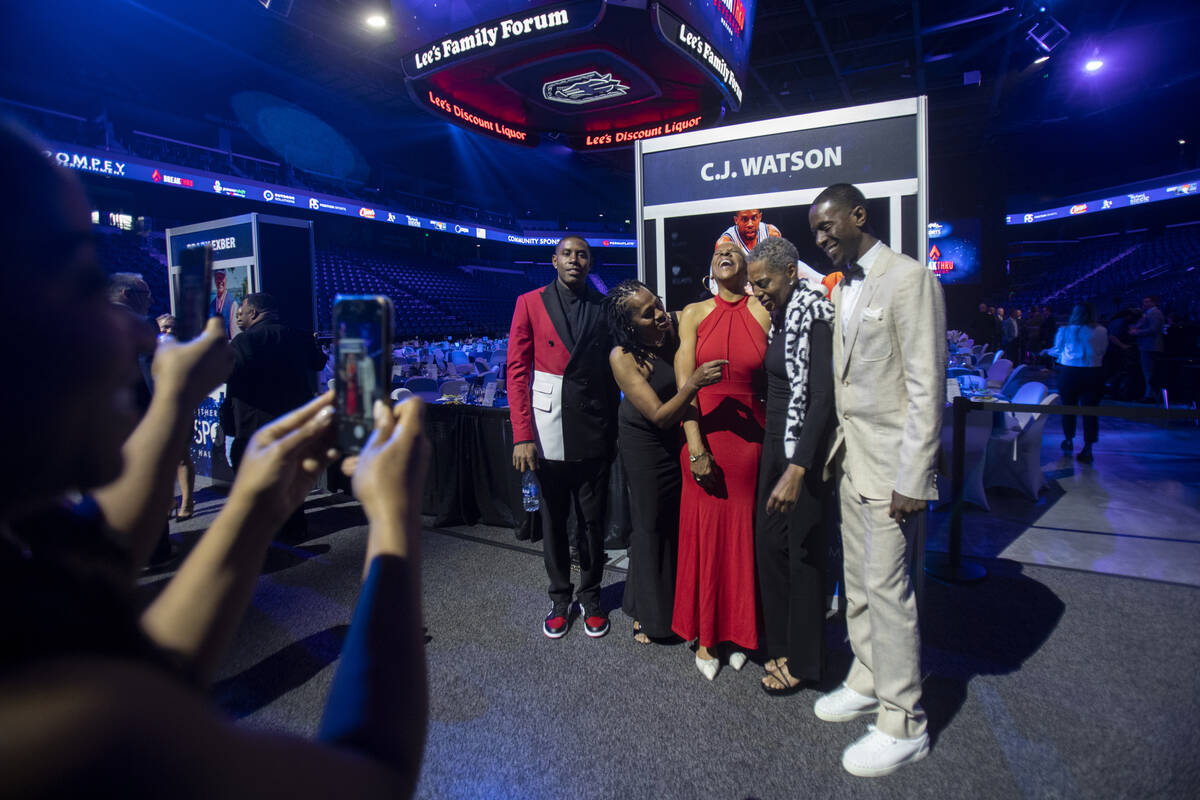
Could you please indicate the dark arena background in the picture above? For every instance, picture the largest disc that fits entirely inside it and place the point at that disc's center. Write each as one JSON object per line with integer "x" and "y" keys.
{"x": 1034, "y": 155}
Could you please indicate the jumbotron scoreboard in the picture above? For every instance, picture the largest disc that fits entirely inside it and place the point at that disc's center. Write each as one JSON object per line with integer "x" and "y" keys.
{"x": 592, "y": 73}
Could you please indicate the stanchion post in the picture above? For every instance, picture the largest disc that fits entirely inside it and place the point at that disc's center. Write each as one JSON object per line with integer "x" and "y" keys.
{"x": 949, "y": 566}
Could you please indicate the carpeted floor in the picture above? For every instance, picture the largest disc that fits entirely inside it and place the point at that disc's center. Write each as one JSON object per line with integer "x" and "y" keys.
{"x": 1041, "y": 682}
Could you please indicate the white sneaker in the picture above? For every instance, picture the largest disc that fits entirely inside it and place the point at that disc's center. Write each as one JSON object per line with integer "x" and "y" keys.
{"x": 844, "y": 704}
{"x": 876, "y": 754}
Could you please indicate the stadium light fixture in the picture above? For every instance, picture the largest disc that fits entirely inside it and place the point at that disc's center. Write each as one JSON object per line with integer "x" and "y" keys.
{"x": 1093, "y": 65}
{"x": 376, "y": 21}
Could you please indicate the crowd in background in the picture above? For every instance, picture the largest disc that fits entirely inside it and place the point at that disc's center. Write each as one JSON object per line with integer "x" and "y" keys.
{"x": 1144, "y": 350}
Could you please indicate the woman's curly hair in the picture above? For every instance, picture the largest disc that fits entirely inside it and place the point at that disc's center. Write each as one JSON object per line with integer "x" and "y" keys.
{"x": 620, "y": 321}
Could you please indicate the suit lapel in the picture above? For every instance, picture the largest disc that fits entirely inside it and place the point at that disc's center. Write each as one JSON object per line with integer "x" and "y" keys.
{"x": 865, "y": 295}
{"x": 557, "y": 315}
{"x": 838, "y": 328}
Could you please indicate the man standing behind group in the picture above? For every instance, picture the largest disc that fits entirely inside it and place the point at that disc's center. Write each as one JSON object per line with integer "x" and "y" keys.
{"x": 1149, "y": 333}
{"x": 983, "y": 326}
{"x": 131, "y": 292}
{"x": 563, "y": 403}
{"x": 273, "y": 373}
{"x": 889, "y": 361}
{"x": 1009, "y": 331}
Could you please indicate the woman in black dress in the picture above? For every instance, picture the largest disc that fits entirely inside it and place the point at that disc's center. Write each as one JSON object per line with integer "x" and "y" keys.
{"x": 788, "y": 540}
{"x": 649, "y": 442}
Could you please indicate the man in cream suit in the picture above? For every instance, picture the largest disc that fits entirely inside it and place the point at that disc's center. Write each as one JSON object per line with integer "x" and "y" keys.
{"x": 889, "y": 361}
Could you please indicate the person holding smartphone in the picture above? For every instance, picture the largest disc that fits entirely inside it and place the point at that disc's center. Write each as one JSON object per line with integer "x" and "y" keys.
{"x": 97, "y": 696}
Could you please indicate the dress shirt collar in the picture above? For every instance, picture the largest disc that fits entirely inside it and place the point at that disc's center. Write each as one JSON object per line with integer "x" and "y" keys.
{"x": 867, "y": 259}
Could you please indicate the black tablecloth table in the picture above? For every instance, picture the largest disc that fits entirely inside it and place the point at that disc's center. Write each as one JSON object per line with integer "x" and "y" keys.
{"x": 471, "y": 477}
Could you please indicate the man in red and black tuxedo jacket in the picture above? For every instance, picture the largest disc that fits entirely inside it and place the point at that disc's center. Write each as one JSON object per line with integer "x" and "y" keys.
{"x": 563, "y": 404}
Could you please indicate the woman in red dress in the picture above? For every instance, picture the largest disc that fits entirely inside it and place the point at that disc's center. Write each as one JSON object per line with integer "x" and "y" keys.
{"x": 714, "y": 588}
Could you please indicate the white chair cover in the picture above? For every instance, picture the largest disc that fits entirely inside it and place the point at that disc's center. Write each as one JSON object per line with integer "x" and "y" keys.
{"x": 1014, "y": 458}
{"x": 998, "y": 372}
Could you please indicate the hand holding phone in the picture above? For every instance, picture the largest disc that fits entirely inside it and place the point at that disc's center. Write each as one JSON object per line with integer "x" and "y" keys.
{"x": 362, "y": 353}
{"x": 195, "y": 278}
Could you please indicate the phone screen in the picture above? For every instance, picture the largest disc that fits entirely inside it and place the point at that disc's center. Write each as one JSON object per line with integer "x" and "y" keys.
{"x": 362, "y": 359}
{"x": 195, "y": 276}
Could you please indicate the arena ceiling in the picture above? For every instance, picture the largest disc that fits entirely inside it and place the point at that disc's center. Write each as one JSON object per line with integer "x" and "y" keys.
{"x": 1035, "y": 129}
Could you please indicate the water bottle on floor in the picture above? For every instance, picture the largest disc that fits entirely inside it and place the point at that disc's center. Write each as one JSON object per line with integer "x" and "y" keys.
{"x": 530, "y": 494}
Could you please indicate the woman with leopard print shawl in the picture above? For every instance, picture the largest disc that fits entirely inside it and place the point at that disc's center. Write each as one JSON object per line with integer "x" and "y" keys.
{"x": 788, "y": 537}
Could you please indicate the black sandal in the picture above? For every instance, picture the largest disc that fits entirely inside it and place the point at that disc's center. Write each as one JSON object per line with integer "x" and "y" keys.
{"x": 781, "y": 691}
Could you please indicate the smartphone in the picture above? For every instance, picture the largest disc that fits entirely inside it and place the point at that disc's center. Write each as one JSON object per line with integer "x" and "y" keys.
{"x": 362, "y": 352}
{"x": 195, "y": 278}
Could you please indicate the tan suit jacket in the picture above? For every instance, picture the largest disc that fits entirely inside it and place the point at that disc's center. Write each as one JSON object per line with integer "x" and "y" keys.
{"x": 889, "y": 365}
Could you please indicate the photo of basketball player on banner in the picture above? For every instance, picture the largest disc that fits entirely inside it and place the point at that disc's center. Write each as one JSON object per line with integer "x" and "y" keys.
{"x": 747, "y": 230}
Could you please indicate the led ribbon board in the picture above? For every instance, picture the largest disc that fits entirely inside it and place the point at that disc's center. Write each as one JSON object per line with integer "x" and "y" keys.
{"x": 1182, "y": 185}
{"x": 100, "y": 162}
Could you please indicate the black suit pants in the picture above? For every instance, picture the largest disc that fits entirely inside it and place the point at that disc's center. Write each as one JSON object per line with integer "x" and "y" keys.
{"x": 582, "y": 485}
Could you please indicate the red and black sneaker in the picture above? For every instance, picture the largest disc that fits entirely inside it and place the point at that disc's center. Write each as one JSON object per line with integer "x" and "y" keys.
{"x": 557, "y": 621}
{"x": 595, "y": 621}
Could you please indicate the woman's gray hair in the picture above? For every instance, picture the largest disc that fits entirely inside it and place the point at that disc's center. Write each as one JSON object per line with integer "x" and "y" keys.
{"x": 778, "y": 254}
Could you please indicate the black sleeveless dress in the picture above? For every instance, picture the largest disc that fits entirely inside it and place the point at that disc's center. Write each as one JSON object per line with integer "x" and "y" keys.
{"x": 650, "y": 456}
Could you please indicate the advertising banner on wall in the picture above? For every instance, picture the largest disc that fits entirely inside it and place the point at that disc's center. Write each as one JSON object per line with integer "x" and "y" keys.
{"x": 92, "y": 161}
{"x": 758, "y": 179}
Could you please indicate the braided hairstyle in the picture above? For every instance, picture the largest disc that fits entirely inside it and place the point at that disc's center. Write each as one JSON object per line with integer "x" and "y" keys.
{"x": 620, "y": 324}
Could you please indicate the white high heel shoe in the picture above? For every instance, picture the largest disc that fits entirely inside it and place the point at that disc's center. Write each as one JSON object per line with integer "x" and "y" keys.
{"x": 708, "y": 666}
{"x": 737, "y": 660}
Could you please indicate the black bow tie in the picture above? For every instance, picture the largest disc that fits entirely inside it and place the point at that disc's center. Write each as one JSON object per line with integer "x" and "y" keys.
{"x": 853, "y": 272}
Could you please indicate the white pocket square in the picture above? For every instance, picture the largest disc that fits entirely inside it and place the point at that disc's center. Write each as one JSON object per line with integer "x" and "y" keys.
{"x": 874, "y": 314}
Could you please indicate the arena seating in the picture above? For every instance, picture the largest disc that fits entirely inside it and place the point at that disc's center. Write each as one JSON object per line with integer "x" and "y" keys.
{"x": 431, "y": 300}
{"x": 1125, "y": 266}
{"x": 120, "y": 251}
